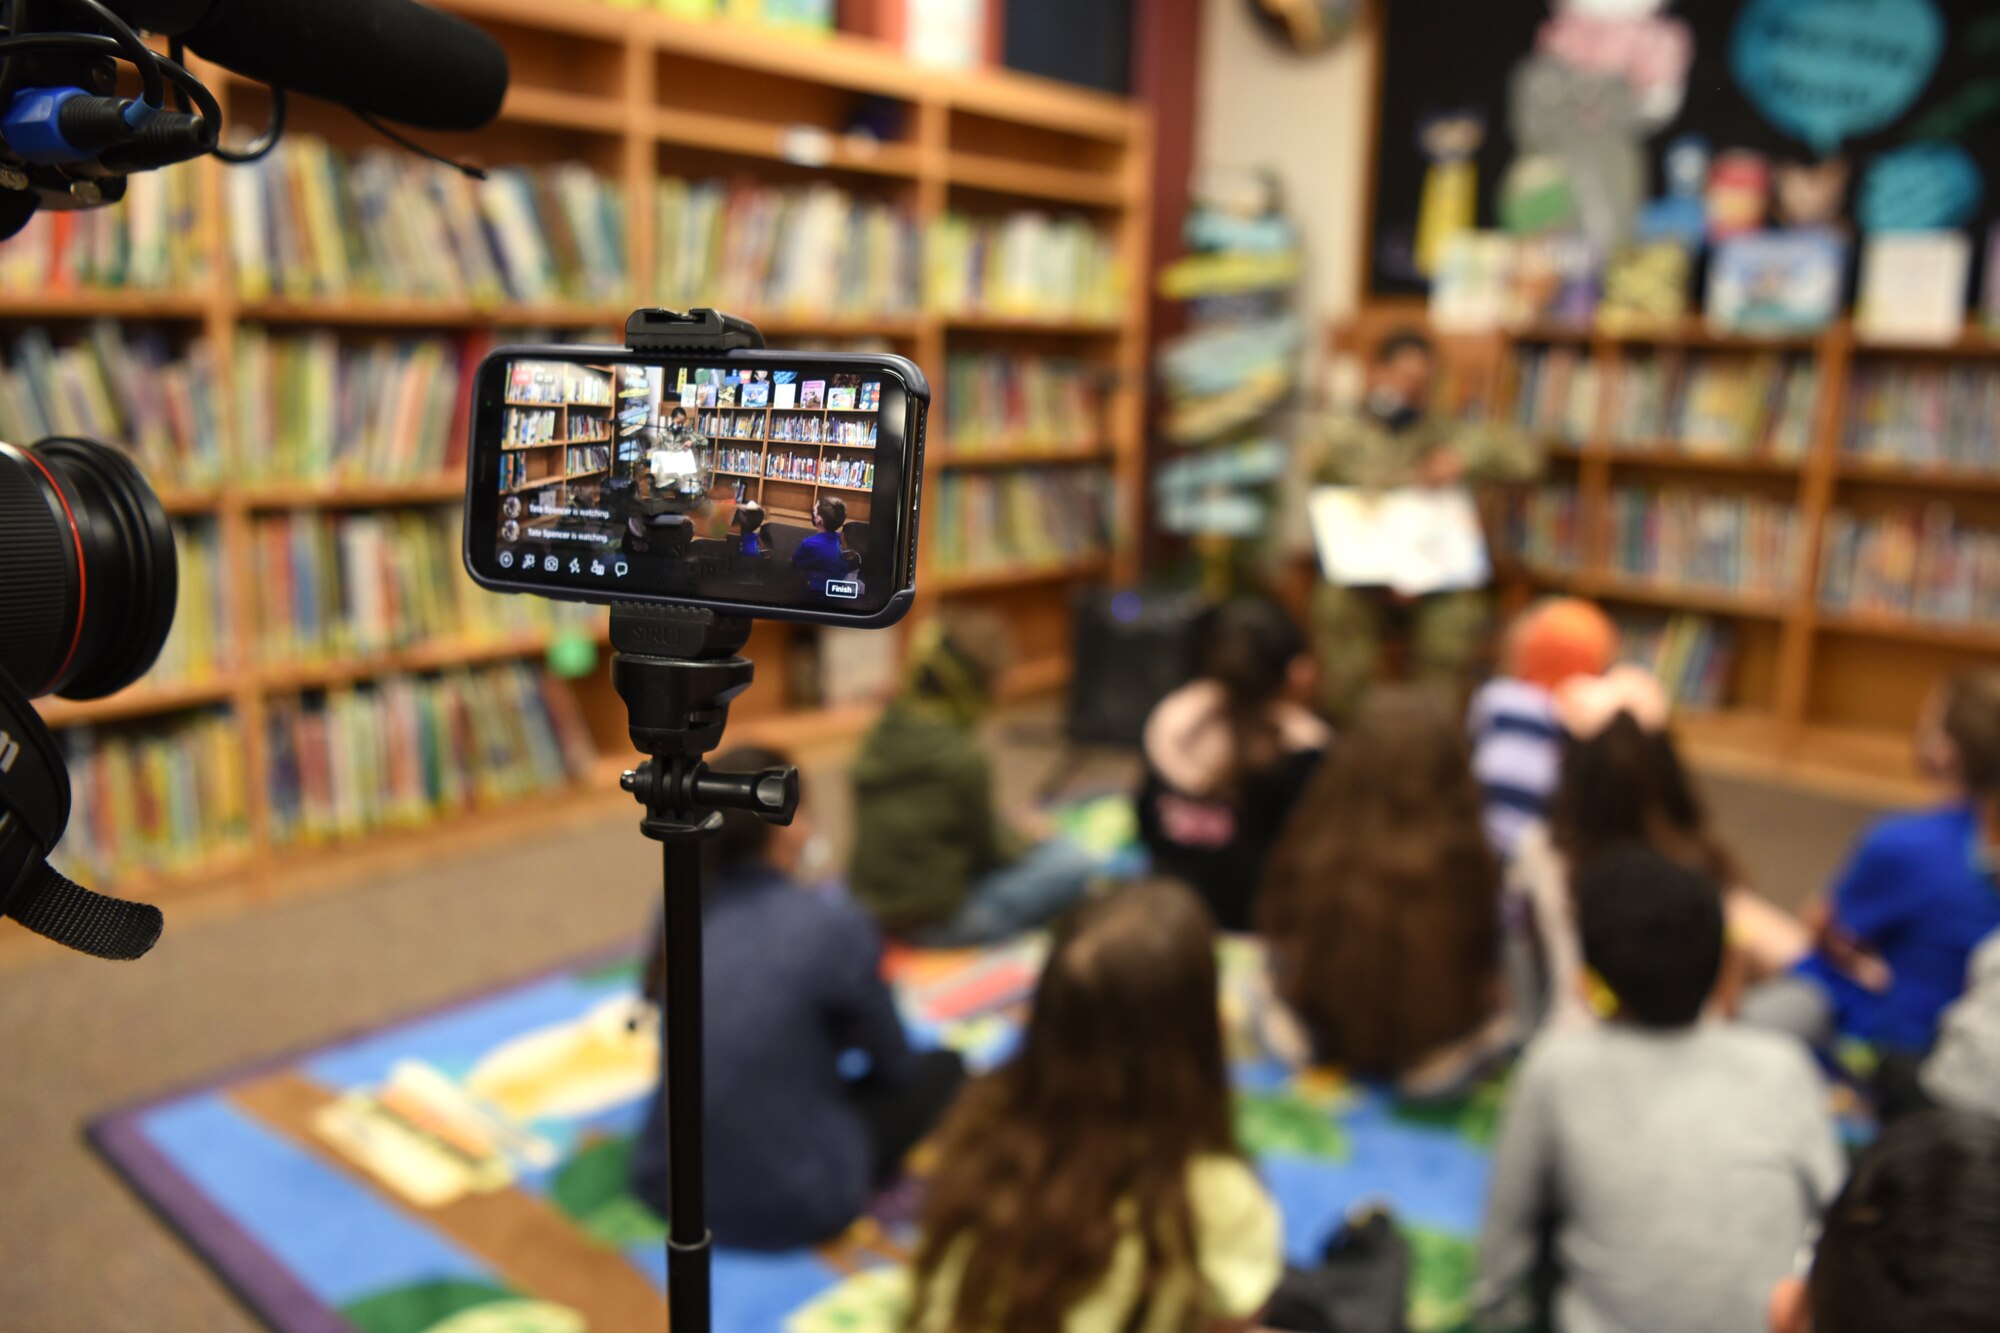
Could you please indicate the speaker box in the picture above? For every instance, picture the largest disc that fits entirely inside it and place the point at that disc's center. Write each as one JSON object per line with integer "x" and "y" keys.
{"x": 1133, "y": 648}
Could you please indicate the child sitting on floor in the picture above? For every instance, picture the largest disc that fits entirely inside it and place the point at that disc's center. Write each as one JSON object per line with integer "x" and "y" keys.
{"x": 791, "y": 987}
{"x": 1917, "y": 896}
{"x": 933, "y": 859}
{"x": 1381, "y": 902}
{"x": 822, "y": 555}
{"x": 1663, "y": 1169}
{"x": 749, "y": 518}
{"x": 1913, "y": 1242}
{"x": 1516, "y": 738}
{"x": 1094, "y": 1183}
{"x": 1227, "y": 756}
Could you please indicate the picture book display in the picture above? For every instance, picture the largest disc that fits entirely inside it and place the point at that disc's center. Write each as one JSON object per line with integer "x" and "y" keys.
{"x": 1413, "y": 540}
{"x": 1777, "y": 282}
{"x": 1913, "y": 287}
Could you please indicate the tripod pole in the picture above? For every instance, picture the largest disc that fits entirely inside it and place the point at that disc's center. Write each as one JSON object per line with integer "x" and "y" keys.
{"x": 687, "y": 1224}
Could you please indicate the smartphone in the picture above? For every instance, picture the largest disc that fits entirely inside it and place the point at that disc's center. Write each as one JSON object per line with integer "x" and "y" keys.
{"x": 777, "y": 485}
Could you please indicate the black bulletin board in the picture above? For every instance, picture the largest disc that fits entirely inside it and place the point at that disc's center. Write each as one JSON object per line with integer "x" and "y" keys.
{"x": 1442, "y": 56}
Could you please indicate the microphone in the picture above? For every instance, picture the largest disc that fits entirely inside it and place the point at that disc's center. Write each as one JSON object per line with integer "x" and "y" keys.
{"x": 396, "y": 59}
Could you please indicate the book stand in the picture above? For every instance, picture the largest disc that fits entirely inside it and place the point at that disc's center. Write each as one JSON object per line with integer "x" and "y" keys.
{"x": 678, "y": 668}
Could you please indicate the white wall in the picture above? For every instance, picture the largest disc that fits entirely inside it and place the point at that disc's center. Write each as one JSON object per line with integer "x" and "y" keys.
{"x": 1304, "y": 116}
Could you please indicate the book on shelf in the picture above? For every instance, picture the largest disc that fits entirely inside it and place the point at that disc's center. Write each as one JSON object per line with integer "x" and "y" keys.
{"x": 1023, "y": 265}
{"x": 524, "y": 428}
{"x": 1553, "y": 281}
{"x": 1921, "y": 563}
{"x": 309, "y": 221}
{"x": 1924, "y": 416}
{"x": 1732, "y": 405}
{"x": 1693, "y": 655}
{"x": 797, "y": 250}
{"x": 1558, "y": 397}
{"x": 588, "y": 458}
{"x": 160, "y": 797}
{"x": 1646, "y": 288}
{"x": 1542, "y": 527}
{"x": 202, "y": 645}
{"x": 317, "y": 408}
{"x": 1031, "y": 517}
{"x": 1913, "y": 287}
{"x": 1470, "y": 289}
{"x": 1777, "y": 282}
{"x": 1676, "y": 536}
{"x": 400, "y": 752}
{"x": 339, "y": 585}
{"x": 148, "y": 242}
{"x": 1989, "y": 304}
{"x": 129, "y": 387}
{"x": 1000, "y": 402}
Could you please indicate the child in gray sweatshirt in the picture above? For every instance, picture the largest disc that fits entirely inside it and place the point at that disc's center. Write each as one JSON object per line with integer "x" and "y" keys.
{"x": 1656, "y": 1172}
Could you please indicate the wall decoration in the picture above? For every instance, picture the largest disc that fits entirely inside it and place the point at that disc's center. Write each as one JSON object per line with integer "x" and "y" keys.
{"x": 1918, "y": 188}
{"x": 1862, "y": 115}
{"x": 1826, "y": 72}
{"x": 1451, "y": 186}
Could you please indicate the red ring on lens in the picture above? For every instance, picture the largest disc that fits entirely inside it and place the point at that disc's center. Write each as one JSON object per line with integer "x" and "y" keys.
{"x": 82, "y": 569}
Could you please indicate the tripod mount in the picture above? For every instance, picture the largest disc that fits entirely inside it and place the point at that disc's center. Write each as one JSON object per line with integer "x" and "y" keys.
{"x": 678, "y": 668}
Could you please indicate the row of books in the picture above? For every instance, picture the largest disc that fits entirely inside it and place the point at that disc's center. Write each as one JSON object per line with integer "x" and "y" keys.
{"x": 1025, "y": 265}
{"x": 1558, "y": 395}
{"x": 586, "y": 458}
{"x": 132, "y": 387}
{"x": 1922, "y": 563}
{"x": 557, "y": 382}
{"x": 1731, "y": 406}
{"x": 1030, "y": 516}
{"x": 1693, "y": 655}
{"x": 310, "y": 221}
{"x": 1924, "y": 416}
{"x": 336, "y": 585}
{"x": 164, "y": 797}
{"x": 514, "y": 471}
{"x": 1543, "y": 527}
{"x": 797, "y": 249}
{"x": 784, "y": 466}
{"x": 150, "y": 241}
{"x": 1014, "y": 402}
{"x": 316, "y": 408}
{"x": 524, "y": 428}
{"x": 1783, "y": 282}
{"x": 731, "y": 425}
{"x": 1675, "y": 535}
{"x": 202, "y": 643}
{"x": 406, "y": 750}
{"x": 750, "y": 461}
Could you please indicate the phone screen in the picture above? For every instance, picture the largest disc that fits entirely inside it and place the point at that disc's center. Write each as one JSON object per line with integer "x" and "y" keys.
{"x": 760, "y": 480}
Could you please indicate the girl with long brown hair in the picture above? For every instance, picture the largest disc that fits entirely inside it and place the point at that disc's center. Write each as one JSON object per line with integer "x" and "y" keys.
{"x": 1380, "y": 906}
{"x": 1094, "y": 1183}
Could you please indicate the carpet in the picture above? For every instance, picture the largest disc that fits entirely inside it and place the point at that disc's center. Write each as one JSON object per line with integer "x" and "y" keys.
{"x": 463, "y": 1171}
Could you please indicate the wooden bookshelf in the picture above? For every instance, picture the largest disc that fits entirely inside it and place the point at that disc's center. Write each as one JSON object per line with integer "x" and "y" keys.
{"x": 639, "y": 96}
{"x": 1822, "y": 697}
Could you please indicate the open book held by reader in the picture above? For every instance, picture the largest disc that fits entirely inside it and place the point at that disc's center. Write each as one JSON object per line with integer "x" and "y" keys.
{"x": 1412, "y": 540}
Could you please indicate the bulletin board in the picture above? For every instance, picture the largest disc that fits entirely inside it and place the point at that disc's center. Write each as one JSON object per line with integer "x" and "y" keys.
{"x": 1882, "y": 115}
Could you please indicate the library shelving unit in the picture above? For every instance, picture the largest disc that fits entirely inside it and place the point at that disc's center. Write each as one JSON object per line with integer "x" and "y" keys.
{"x": 1816, "y": 695}
{"x": 639, "y": 97}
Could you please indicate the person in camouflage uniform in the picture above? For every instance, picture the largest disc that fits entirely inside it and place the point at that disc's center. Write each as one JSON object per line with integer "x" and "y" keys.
{"x": 1394, "y": 441}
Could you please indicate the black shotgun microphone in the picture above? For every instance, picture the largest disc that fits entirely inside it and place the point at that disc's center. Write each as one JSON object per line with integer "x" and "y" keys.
{"x": 396, "y": 59}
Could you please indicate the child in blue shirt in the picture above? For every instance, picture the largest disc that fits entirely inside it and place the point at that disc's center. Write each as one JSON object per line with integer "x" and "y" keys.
{"x": 749, "y": 518}
{"x": 1919, "y": 894}
{"x": 821, "y": 555}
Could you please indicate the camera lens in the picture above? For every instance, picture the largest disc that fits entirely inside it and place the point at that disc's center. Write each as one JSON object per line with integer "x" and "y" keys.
{"x": 87, "y": 569}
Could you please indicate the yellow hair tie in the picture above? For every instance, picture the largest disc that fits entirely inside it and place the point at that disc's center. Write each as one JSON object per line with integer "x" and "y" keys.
{"x": 1603, "y": 1001}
